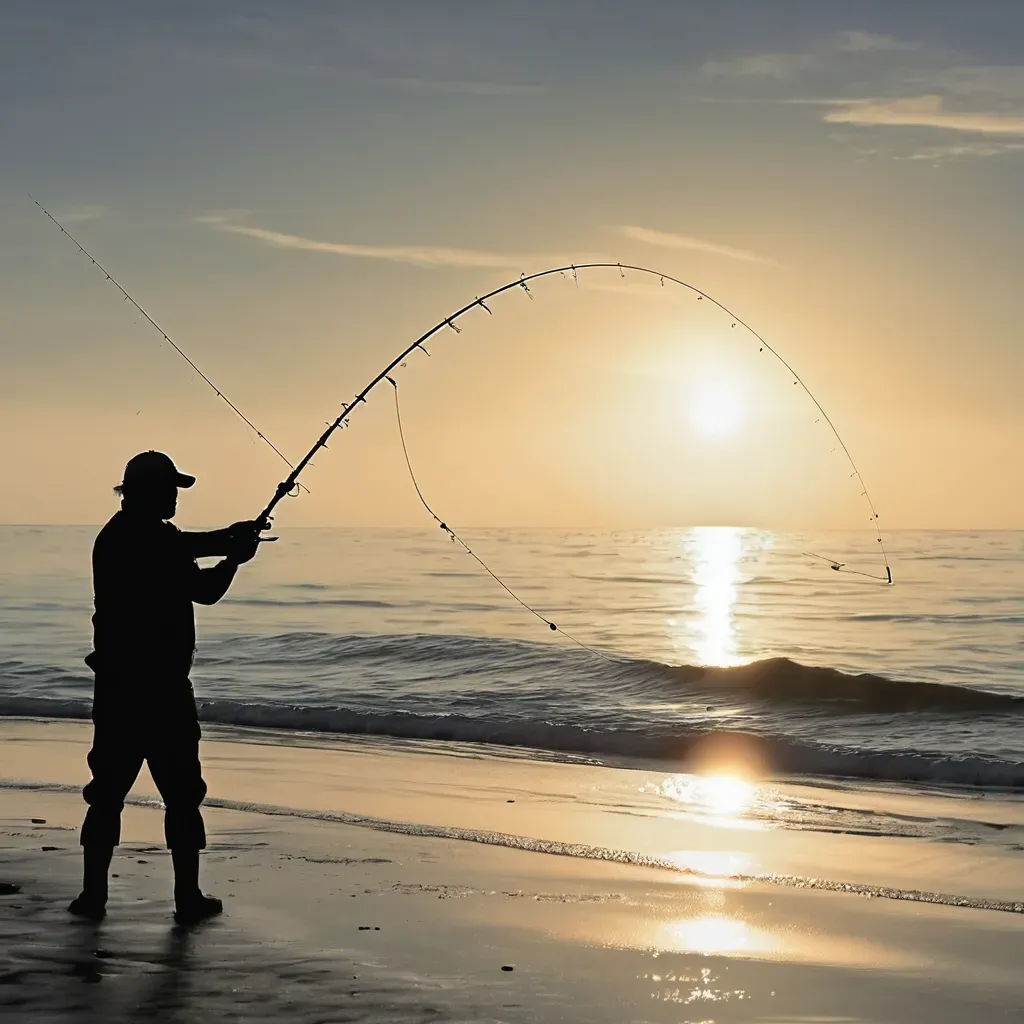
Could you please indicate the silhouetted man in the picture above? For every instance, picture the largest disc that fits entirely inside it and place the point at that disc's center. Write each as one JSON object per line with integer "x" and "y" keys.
{"x": 146, "y": 578}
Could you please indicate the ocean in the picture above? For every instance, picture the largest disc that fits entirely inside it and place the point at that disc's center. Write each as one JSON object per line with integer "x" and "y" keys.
{"x": 699, "y": 632}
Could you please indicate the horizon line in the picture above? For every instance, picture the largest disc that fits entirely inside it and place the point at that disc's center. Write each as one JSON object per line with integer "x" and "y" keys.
{"x": 581, "y": 529}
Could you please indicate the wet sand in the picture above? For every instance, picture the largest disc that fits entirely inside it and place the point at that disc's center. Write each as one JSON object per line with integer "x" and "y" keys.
{"x": 380, "y": 918}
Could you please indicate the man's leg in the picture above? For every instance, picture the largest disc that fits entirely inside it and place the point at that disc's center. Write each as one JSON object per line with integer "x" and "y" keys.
{"x": 115, "y": 760}
{"x": 173, "y": 758}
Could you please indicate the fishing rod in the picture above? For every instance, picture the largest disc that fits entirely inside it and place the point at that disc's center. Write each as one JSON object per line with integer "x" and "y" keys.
{"x": 264, "y": 520}
{"x": 291, "y": 485}
{"x": 288, "y": 485}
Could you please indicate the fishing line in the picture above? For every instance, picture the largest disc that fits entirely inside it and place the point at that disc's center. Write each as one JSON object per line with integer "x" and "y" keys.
{"x": 842, "y": 567}
{"x": 469, "y": 551}
{"x": 163, "y": 334}
{"x": 291, "y": 486}
{"x": 287, "y": 486}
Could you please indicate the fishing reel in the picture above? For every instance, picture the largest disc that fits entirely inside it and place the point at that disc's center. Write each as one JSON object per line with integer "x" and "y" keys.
{"x": 264, "y": 524}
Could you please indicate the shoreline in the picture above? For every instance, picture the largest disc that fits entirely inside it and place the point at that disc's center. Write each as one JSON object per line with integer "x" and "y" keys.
{"x": 696, "y": 749}
{"x": 774, "y": 831}
{"x": 328, "y": 921}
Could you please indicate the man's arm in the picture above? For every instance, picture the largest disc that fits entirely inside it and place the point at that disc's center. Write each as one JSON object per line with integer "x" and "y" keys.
{"x": 208, "y": 586}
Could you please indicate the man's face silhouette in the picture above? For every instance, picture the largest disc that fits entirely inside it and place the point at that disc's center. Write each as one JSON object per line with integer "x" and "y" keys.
{"x": 167, "y": 501}
{"x": 156, "y": 499}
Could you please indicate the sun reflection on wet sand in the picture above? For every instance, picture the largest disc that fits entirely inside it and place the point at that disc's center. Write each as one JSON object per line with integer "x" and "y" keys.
{"x": 686, "y": 988}
{"x": 721, "y": 867}
{"x": 714, "y": 934}
{"x": 717, "y": 794}
{"x": 719, "y": 799}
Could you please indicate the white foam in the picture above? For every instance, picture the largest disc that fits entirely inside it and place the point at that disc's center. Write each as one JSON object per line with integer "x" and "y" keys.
{"x": 583, "y": 851}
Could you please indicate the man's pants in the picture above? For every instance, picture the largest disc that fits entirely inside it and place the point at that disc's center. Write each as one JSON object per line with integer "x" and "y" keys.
{"x": 161, "y": 729}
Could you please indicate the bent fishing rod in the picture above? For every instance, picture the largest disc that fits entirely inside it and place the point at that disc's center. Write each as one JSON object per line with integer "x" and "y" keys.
{"x": 287, "y": 486}
{"x": 291, "y": 484}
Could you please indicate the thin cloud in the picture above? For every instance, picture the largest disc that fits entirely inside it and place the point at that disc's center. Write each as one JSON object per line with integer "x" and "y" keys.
{"x": 851, "y": 44}
{"x": 669, "y": 240}
{"x": 868, "y": 42}
{"x": 81, "y": 213}
{"x": 634, "y": 285}
{"x": 763, "y": 65}
{"x": 937, "y": 154}
{"x": 995, "y": 83}
{"x": 226, "y": 216}
{"x": 465, "y": 87}
{"x": 924, "y": 112}
{"x": 417, "y": 255}
{"x": 268, "y": 64}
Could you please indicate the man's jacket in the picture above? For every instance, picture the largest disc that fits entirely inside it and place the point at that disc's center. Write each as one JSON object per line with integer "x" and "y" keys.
{"x": 145, "y": 580}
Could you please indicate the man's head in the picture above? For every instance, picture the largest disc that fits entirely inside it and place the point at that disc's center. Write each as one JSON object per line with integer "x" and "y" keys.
{"x": 150, "y": 485}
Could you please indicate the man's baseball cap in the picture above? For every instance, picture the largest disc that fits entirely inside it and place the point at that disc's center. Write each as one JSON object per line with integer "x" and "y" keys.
{"x": 154, "y": 468}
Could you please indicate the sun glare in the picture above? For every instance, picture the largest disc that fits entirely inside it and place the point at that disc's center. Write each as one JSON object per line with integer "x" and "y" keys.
{"x": 723, "y": 796}
{"x": 716, "y": 411}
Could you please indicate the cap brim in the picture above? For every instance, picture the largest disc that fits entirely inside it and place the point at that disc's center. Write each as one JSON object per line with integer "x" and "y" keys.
{"x": 184, "y": 480}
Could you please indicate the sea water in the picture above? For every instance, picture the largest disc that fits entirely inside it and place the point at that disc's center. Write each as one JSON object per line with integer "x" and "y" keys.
{"x": 688, "y": 633}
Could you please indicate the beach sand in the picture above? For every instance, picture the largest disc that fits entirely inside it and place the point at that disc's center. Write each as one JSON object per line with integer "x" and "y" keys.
{"x": 374, "y": 880}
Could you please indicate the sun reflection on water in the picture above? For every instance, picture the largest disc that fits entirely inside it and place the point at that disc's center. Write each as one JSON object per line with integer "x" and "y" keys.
{"x": 716, "y": 553}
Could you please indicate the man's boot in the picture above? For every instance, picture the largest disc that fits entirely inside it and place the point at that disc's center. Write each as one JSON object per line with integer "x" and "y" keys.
{"x": 91, "y": 903}
{"x": 190, "y": 905}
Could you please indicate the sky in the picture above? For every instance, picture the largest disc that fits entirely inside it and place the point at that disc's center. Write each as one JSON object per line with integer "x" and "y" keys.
{"x": 297, "y": 191}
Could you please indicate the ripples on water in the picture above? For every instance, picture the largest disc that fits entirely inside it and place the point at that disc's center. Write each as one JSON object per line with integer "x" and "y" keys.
{"x": 711, "y": 629}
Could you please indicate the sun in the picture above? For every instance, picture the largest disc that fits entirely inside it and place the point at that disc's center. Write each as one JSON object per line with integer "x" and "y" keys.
{"x": 716, "y": 411}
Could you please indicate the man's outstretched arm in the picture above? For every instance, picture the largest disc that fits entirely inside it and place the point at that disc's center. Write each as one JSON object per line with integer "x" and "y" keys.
{"x": 210, "y": 585}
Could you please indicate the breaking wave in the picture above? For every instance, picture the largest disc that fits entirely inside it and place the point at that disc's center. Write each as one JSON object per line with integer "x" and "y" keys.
{"x": 568, "y": 702}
